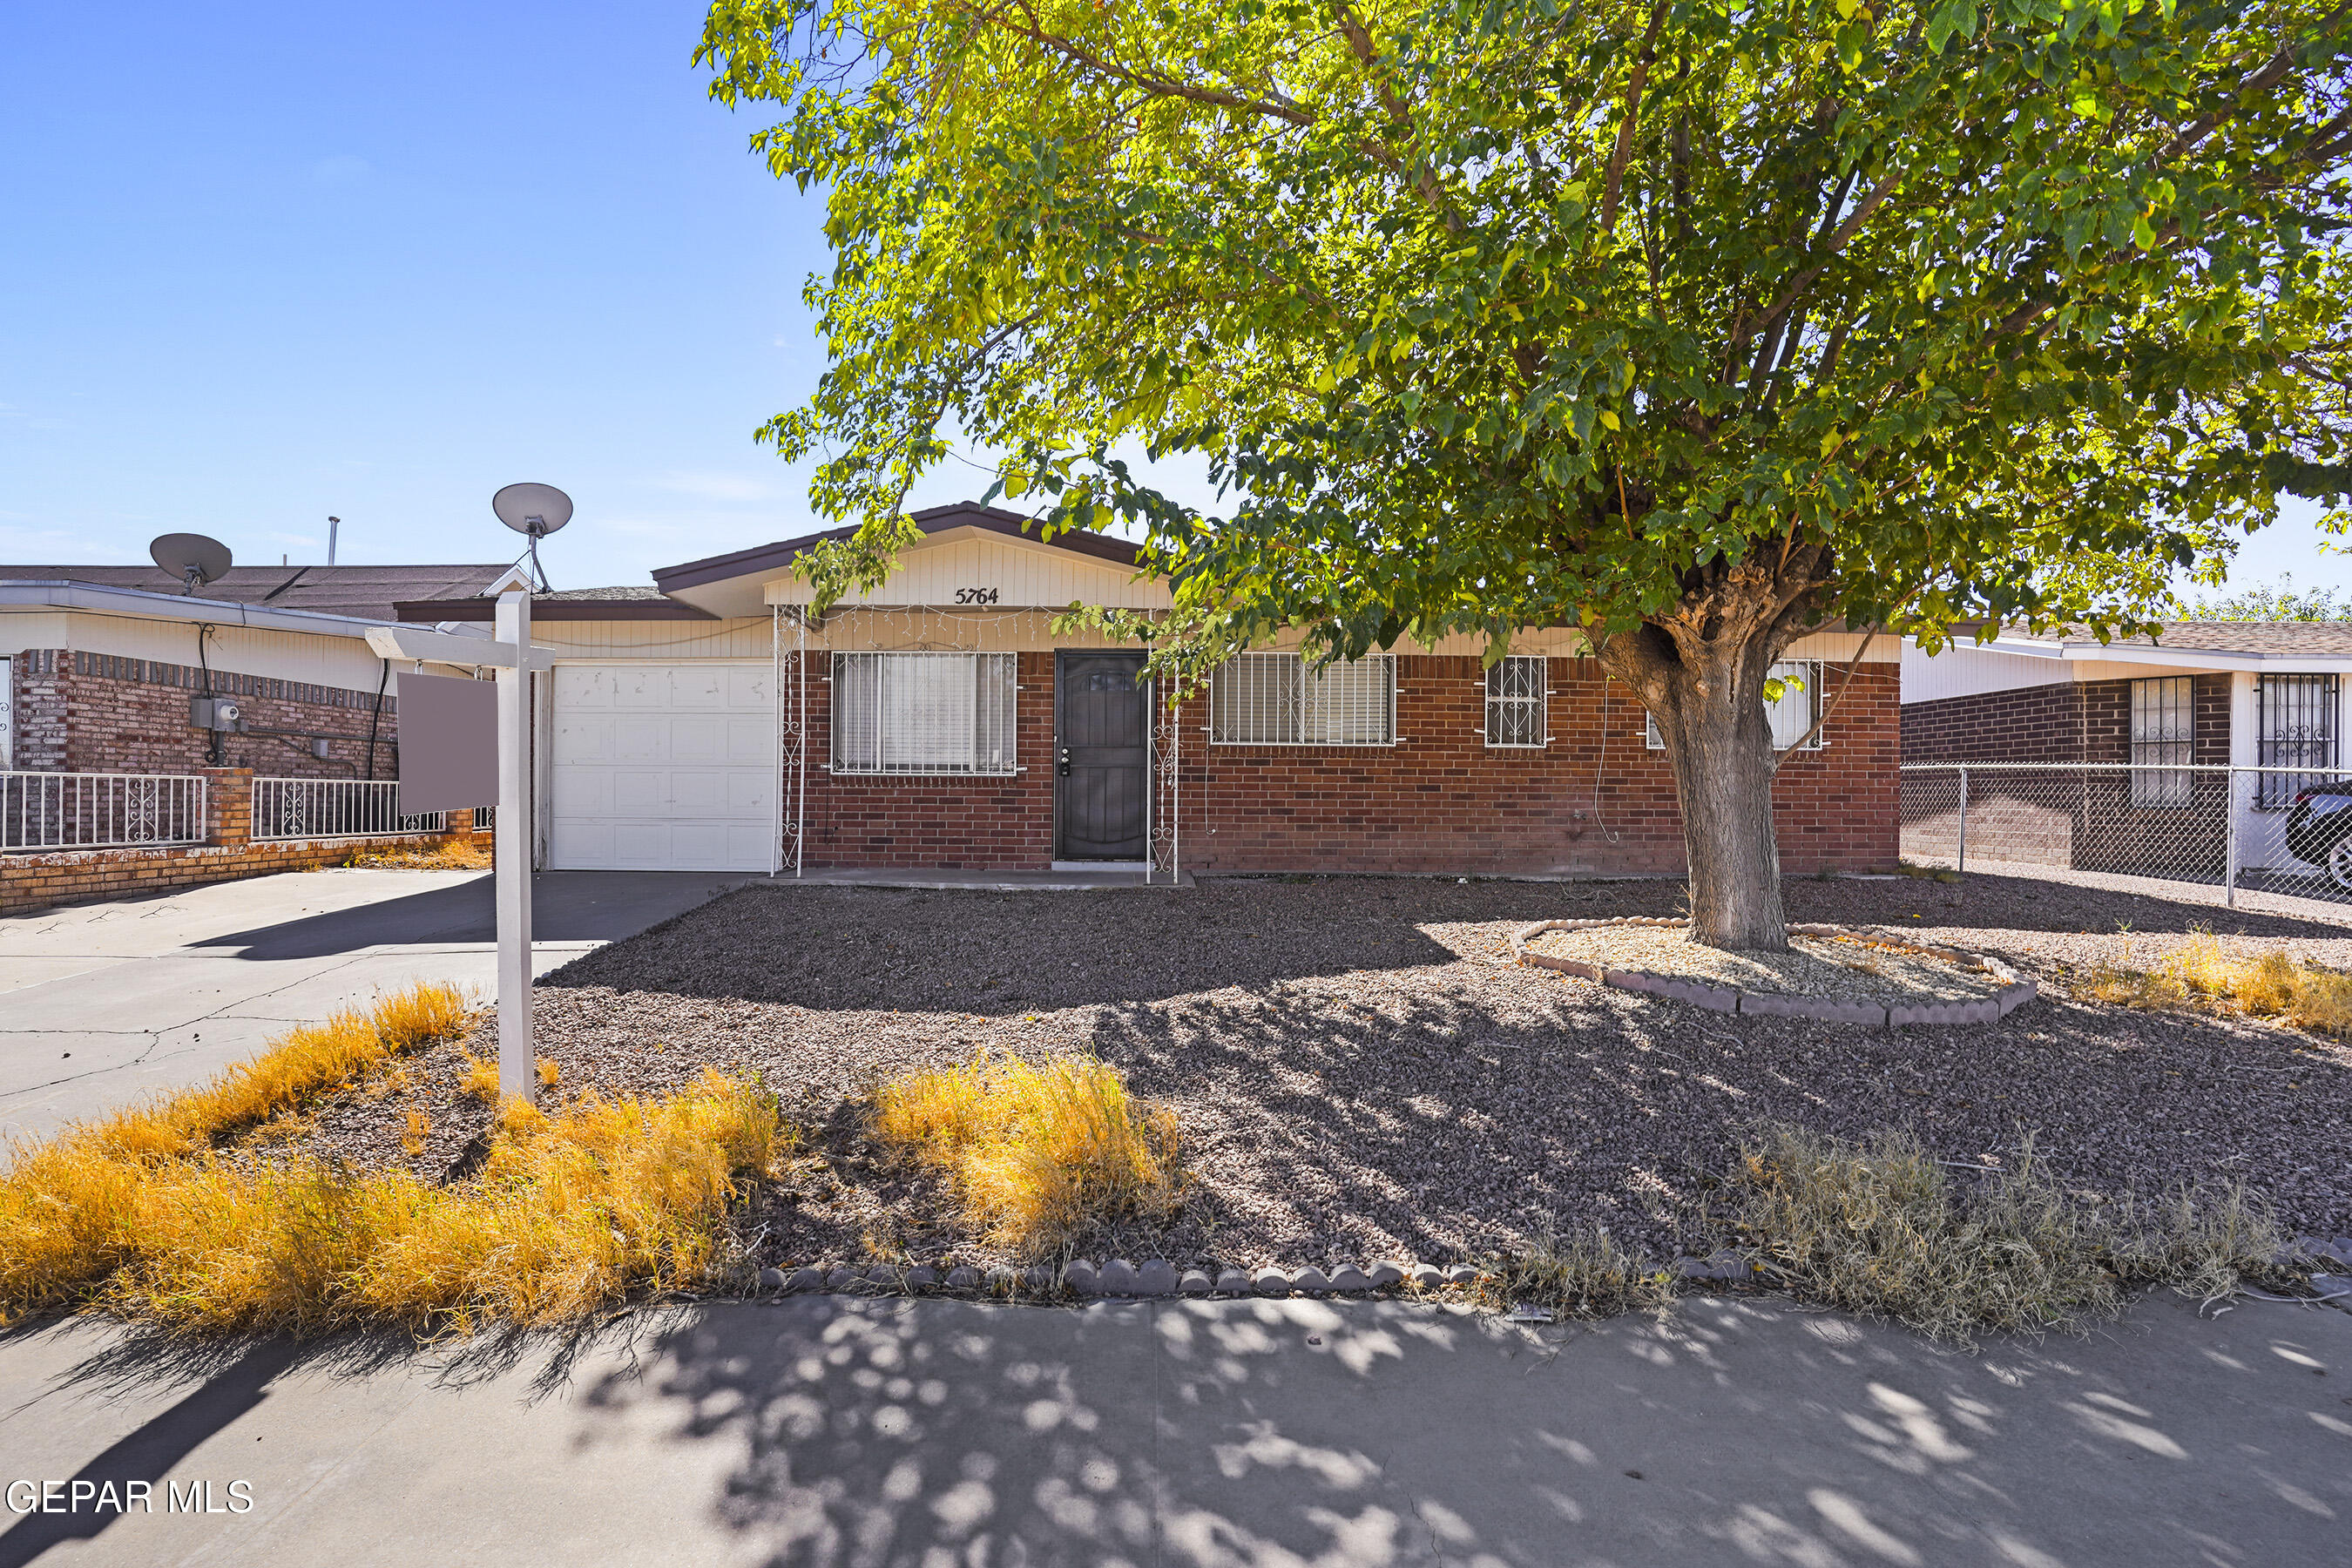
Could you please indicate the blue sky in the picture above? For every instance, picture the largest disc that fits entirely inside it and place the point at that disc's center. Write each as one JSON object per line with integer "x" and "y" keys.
{"x": 260, "y": 264}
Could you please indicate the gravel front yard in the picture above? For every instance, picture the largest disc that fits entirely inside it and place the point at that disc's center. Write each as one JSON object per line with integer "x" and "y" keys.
{"x": 1363, "y": 1073}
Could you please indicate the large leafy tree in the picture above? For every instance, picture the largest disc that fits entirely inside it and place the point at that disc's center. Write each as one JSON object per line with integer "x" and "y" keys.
{"x": 1697, "y": 325}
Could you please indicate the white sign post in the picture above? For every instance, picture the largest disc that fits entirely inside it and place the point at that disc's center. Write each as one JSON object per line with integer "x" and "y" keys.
{"x": 511, "y": 655}
{"x": 516, "y": 1069}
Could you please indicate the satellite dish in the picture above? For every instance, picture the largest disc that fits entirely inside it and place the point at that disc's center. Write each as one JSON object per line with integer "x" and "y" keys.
{"x": 537, "y": 510}
{"x": 194, "y": 559}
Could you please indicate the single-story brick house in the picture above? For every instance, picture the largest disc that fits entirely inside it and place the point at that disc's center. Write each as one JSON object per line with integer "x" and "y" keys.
{"x": 710, "y": 721}
{"x": 2201, "y": 694}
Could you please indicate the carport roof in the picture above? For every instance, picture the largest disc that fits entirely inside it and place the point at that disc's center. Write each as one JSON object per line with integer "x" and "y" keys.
{"x": 368, "y": 593}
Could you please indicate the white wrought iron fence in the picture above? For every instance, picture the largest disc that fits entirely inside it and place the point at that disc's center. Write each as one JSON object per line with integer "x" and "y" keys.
{"x": 2234, "y": 829}
{"x": 334, "y": 808}
{"x": 45, "y": 811}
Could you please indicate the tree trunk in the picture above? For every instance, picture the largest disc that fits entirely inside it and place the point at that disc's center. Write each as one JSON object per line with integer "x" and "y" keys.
{"x": 1707, "y": 698}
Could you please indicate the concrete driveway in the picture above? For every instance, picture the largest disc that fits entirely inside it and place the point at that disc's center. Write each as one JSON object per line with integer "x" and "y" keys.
{"x": 103, "y": 1003}
{"x": 836, "y": 1433}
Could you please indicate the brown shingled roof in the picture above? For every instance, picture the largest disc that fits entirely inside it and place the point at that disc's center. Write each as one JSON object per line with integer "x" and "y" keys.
{"x": 2276, "y": 639}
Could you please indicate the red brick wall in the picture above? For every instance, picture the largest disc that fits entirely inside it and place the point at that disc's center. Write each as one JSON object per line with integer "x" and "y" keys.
{"x": 1596, "y": 800}
{"x": 84, "y": 712}
{"x": 2085, "y": 722}
{"x": 2032, "y": 724}
{"x": 943, "y": 824}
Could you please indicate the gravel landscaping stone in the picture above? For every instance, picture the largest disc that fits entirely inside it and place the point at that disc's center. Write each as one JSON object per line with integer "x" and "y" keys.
{"x": 1361, "y": 1070}
{"x": 1814, "y": 966}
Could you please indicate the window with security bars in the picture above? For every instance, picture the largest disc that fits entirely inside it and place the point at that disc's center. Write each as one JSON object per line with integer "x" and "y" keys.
{"x": 1515, "y": 701}
{"x": 923, "y": 712}
{"x": 1274, "y": 699}
{"x": 1792, "y": 718}
{"x": 2294, "y": 728}
{"x": 2163, "y": 732}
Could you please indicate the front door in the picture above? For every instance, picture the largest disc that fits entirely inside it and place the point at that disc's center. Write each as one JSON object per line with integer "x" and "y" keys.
{"x": 1102, "y": 756}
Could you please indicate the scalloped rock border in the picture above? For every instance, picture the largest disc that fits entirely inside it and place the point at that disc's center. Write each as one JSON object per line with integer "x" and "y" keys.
{"x": 1121, "y": 1279}
{"x": 2014, "y": 991}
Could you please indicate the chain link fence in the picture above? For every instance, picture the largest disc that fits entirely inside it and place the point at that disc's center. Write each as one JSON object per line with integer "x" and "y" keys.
{"x": 2273, "y": 833}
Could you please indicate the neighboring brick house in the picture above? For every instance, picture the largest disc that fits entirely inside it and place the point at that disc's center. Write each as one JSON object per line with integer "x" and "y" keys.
{"x": 941, "y": 723}
{"x": 100, "y": 664}
{"x": 112, "y": 671}
{"x": 2202, "y": 694}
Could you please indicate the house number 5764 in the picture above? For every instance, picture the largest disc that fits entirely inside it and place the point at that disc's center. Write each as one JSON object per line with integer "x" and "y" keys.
{"x": 975, "y": 595}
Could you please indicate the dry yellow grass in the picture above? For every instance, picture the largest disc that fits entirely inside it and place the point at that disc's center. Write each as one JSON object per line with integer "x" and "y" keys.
{"x": 1874, "y": 1227}
{"x": 414, "y": 1131}
{"x": 2263, "y": 986}
{"x": 1037, "y": 1154}
{"x": 66, "y": 1214}
{"x": 547, "y": 1072}
{"x": 454, "y": 855}
{"x": 481, "y": 1080}
{"x": 309, "y": 1061}
{"x": 571, "y": 1214}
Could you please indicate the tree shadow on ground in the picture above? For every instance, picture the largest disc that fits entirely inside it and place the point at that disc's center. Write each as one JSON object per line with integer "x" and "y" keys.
{"x": 994, "y": 952}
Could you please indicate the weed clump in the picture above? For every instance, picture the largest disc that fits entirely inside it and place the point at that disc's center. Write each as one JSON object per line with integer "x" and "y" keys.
{"x": 2205, "y": 969}
{"x": 1038, "y": 1155}
{"x": 1585, "y": 1274}
{"x": 1876, "y": 1227}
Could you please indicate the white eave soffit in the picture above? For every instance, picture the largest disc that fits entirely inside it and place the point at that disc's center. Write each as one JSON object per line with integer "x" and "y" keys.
{"x": 2211, "y": 659}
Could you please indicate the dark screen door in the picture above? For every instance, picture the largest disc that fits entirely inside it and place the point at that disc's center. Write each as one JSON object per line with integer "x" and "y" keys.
{"x": 1102, "y": 756}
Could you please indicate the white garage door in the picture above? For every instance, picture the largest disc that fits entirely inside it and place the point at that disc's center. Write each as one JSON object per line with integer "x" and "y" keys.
{"x": 662, "y": 768}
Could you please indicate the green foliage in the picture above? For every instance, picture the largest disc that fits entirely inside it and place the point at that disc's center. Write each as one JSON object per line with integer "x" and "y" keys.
{"x": 2260, "y": 601}
{"x": 1493, "y": 315}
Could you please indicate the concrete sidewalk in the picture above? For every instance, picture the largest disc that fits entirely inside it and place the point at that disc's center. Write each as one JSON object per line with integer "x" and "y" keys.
{"x": 103, "y": 1003}
{"x": 829, "y": 1431}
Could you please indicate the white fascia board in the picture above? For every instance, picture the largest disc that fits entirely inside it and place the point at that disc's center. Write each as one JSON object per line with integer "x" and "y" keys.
{"x": 452, "y": 648}
{"x": 69, "y": 595}
{"x": 2140, "y": 653}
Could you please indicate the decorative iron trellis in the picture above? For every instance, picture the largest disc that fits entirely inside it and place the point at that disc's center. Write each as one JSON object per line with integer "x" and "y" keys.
{"x": 1167, "y": 779}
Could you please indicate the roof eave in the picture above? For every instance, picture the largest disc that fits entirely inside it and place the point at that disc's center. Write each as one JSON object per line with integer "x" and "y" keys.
{"x": 67, "y": 594}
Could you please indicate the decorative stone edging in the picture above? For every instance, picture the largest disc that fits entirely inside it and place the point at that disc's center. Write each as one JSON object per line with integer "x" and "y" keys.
{"x": 1120, "y": 1279}
{"x": 2014, "y": 991}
